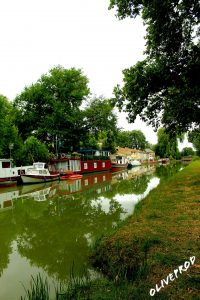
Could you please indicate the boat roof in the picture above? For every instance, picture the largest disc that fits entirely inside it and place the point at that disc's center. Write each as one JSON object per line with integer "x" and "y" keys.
{"x": 6, "y": 159}
{"x": 40, "y": 164}
{"x": 92, "y": 150}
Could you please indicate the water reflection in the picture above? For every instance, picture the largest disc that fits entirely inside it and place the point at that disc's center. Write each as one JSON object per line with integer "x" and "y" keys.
{"x": 48, "y": 227}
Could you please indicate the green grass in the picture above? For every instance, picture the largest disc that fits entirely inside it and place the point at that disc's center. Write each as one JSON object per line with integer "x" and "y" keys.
{"x": 162, "y": 234}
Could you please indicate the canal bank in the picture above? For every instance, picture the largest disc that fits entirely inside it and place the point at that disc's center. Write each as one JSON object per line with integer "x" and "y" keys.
{"x": 156, "y": 252}
{"x": 163, "y": 234}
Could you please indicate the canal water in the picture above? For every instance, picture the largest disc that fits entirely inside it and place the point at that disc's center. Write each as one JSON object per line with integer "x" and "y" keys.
{"x": 49, "y": 229}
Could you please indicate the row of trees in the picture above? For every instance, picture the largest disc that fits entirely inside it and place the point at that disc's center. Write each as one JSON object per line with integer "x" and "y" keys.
{"x": 56, "y": 114}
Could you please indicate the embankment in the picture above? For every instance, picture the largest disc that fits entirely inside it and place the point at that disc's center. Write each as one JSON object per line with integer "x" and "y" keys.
{"x": 163, "y": 234}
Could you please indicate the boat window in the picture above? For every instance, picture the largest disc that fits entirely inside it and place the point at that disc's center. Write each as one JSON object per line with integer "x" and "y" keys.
{"x": 95, "y": 165}
{"x": 85, "y": 165}
{"x": 44, "y": 172}
{"x": 103, "y": 164}
{"x": 38, "y": 166}
{"x": 40, "y": 171}
{"x": 6, "y": 164}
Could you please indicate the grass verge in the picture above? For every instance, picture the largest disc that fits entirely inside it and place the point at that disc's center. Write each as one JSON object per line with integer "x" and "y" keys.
{"x": 163, "y": 233}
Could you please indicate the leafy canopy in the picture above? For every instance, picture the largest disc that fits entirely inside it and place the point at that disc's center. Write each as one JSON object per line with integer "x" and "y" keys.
{"x": 8, "y": 130}
{"x": 132, "y": 139}
{"x": 101, "y": 124}
{"x": 51, "y": 106}
{"x": 167, "y": 146}
{"x": 194, "y": 138}
{"x": 164, "y": 88}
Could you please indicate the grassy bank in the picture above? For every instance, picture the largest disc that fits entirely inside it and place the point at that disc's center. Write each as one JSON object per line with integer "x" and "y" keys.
{"x": 163, "y": 234}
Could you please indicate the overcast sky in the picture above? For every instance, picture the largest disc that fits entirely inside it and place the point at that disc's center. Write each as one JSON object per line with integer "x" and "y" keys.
{"x": 37, "y": 35}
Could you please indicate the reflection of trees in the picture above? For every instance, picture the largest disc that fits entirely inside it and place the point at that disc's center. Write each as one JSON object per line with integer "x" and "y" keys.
{"x": 165, "y": 171}
{"x": 136, "y": 185}
{"x": 58, "y": 235}
{"x": 55, "y": 233}
{"x": 7, "y": 234}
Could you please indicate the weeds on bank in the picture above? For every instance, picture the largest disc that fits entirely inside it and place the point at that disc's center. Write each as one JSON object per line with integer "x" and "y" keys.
{"x": 39, "y": 289}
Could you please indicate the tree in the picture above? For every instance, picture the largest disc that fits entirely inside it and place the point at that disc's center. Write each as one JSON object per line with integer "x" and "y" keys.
{"x": 8, "y": 130}
{"x": 194, "y": 138}
{"x": 50, "y": 108}
{"x": 164, "y": 88}
{"x": 167, "y": 146}
{"x": 32, "y": 151}
{"x": 187, "y": 151}
{"x": 101, "y": 123}
{"x": 132, "y": 139}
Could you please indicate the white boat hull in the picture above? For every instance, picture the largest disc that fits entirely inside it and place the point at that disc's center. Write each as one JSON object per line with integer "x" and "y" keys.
{"x": 37, "y": 179}
{"x": 8, "y": 181}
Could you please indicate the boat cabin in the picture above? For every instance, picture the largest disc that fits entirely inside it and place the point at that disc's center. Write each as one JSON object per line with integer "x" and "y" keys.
{"x": 41, "y": 168}
{"x": 7, "y": 172}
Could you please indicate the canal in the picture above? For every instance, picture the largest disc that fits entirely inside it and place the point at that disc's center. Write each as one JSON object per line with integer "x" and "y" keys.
{"x": 49, "y": 229}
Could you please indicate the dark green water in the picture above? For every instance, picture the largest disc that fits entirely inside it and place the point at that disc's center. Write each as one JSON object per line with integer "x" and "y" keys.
{"x": 48, "y": 228}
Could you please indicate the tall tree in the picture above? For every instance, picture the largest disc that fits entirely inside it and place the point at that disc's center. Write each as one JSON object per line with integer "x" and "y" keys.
{"x": 8, "y": 130}
{"x": 132, "y": 139}
{"x": 187, "y": 151}
{"x": 167, "y": 146}
{"x": 194, "y": 138}
{"x": 101, "y": 122}
{"x": 164, "y": 88}
{"x": 50, "y": 108}
{"x": 31, "y": 151}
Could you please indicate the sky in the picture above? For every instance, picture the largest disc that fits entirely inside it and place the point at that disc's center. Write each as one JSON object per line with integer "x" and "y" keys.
{"x": 37, "y": 35}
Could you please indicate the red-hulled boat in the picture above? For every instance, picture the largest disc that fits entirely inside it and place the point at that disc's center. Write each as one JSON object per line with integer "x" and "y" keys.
{"x": 84, "y": 161}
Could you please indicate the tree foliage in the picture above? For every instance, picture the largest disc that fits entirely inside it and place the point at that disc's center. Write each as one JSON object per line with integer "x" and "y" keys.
{"x": 167, "y": 146}
{"x": 50, "y": 108}
{"x": 8, "y": 130}
{"x": 187, "y": 151}
{"x": 31, "y": 151}
{"x": 132, "y": 139}
{"x": 164, "y": 88}
{"x": 194, "y": 138}
{"x": 101, "y": 123}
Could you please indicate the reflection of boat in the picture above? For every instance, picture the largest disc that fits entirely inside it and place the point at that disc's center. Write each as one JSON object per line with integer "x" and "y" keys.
{"x": 87, "y": 182}
{"x": 39, "y": 192}
{"x": 7, "y": 196}
{"x": 41, "y": 195}
{"x": 71, "y": 177}
{"x": 163, "y": 160}
{"x": 28, "y": 189}
{"x": 135, "y": 163}
{"x": 40, "y": 173}
{"x": 8, "y": 174}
